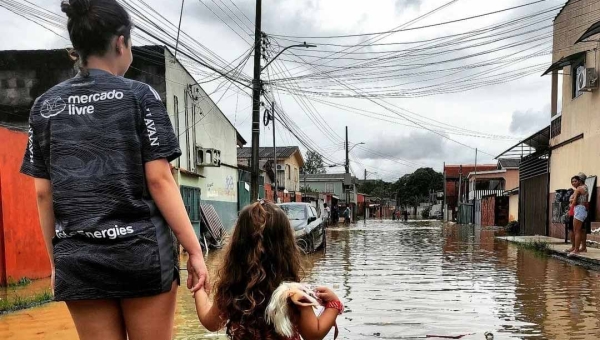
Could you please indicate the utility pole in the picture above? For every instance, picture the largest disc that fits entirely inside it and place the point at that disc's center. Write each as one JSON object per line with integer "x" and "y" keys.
{"x": 475, "y": 186}
{"x": 274, "y": 153}
{"x": 256, "y": 89}
{"x": 347, "y": 153}
{"x": 365, "y": 199}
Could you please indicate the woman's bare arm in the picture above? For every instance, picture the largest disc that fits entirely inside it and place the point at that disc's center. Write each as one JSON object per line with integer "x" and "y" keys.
{"x": 43, "y": 189}
{"x": 165, "y": 193}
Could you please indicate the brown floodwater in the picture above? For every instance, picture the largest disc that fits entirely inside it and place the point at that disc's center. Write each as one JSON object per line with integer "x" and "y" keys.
{"x": 410, "y": 281}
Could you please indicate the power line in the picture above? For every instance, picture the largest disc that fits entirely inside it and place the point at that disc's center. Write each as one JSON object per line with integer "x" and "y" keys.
{"x": 410, "y": 29}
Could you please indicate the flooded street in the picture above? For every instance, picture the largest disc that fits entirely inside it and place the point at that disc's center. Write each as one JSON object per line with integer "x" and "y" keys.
{"x": 410, "y": 281}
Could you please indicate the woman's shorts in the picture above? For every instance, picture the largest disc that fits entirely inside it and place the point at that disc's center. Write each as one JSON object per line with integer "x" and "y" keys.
{"x": 580, "y": 213}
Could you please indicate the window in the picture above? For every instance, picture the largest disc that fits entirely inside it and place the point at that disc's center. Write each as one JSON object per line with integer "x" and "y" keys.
{"x": 576, "y": 67}
{"x": 288, "y": 170}
{"x": 314, "y": 212}
{"x": 294, "y": 211}
{"x": 329, "y": 187}
{"x": 188, "y": 152}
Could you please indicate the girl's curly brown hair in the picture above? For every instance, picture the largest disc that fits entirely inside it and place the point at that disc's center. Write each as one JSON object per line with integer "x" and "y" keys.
{"x": 262, "y": 254}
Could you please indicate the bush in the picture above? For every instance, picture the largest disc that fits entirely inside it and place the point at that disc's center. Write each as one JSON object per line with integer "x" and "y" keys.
{"x": 425, "y": 213}
{"x": 513, "y": 228}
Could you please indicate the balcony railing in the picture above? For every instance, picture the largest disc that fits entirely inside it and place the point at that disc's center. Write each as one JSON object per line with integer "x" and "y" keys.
{"x": 478, "y": 194}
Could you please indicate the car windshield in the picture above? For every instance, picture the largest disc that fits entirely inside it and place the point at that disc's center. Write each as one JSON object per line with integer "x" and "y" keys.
{"x": 294, "y": 212}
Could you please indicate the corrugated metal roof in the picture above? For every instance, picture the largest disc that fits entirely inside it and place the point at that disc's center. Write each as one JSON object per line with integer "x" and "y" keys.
{"x": 509, "y": 162}
{"x": 267, "y": 153}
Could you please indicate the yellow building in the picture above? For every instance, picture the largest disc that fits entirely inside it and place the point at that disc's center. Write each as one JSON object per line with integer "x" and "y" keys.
{"x": 575, "y": 104}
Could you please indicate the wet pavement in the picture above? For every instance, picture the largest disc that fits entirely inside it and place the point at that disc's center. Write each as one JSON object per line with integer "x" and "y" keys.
{"x": 410, "y": 281}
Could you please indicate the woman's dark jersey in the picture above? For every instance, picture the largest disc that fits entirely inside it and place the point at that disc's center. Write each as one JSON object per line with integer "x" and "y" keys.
{"x": 91, "y": 136}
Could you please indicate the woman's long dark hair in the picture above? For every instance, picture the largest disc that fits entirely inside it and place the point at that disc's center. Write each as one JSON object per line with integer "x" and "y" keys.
{"x": 262, "y": 253}
{"x": 93, "y": 24}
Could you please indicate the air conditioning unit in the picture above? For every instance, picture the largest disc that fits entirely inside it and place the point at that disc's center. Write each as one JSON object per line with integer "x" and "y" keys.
{"x": 280, "y": 167}
{"x": 208, "y": 157}
{"x": 587, "y": 79}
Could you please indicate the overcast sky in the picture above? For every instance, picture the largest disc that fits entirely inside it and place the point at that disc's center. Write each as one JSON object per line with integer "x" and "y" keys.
{"x": 516, "y": 108}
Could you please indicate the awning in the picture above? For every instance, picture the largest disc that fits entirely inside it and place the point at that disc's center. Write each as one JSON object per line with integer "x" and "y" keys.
{"x": 593, "y": 30}
{"x": 539, "y": 141}
{"x": 565, "y": 61}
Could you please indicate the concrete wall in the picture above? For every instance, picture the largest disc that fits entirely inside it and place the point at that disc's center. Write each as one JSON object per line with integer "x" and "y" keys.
{"x": 206, "y": 127}
{"x": 338, "y": 188}
{"x": 513, "y": 208}
{"x": 22, "y": 249}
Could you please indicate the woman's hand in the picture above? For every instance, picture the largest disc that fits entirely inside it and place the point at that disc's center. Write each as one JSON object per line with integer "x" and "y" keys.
{"x": 326, "y": 294}
{"x": 197, "y": 273}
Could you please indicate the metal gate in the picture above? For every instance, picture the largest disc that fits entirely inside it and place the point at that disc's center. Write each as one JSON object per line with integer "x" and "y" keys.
{"x": 533, "y": 194}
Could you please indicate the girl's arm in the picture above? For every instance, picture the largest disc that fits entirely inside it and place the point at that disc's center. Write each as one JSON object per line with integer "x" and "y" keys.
{"x": 312, "y": 327}
{"x": 43, "y": 189}
{"x": 165, "y": 193}
{"x": 208, "y": 313}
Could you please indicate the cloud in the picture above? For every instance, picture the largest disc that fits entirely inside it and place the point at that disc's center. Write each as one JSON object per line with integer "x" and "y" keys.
{"x": 402, "y": 4}
{"x": 417, "y": 146}
{"x": 524, "y": 122}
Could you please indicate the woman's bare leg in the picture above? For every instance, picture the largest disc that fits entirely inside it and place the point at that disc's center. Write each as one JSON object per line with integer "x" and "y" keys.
{"x": 150, "y": 317}
{"x": 577, "y": 229}
{"x": 98, "y": 319}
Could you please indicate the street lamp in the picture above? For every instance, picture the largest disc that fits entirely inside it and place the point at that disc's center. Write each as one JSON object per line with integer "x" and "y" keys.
{"x": 285, "y": 49}
{"x": 355, "y": 145}
{"x": 256, "y": 91}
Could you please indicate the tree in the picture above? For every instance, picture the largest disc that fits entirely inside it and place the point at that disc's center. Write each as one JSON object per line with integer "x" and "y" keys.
{"x": 314, "y": 163}
{"x": 415, "y": 188}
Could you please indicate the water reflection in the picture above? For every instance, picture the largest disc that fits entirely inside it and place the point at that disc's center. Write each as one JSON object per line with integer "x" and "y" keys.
{"x": 411, "y": 280}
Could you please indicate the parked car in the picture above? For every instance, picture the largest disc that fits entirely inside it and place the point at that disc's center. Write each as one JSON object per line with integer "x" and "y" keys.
{"x": 309, "y": 228}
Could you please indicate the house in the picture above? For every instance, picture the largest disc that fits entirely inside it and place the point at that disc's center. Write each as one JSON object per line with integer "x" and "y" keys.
{"x": 289, "y": 163}
{"x": 488, "y": 182}
{"x": 575, "y": 126}
{"x": 341, "y": 188}
{"x": 456, "y": 184}
{"x": 207, "y": 170}
{"x": 528, "y": 203}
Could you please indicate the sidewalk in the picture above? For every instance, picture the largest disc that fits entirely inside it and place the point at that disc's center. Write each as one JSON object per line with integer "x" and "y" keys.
{"x": 557, "y": 247}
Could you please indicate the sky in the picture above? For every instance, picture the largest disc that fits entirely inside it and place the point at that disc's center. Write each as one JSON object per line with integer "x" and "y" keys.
{"x": 393, "y": 145}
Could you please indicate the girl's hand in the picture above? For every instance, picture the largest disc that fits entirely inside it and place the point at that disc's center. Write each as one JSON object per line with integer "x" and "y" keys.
{"x": 326, "y": 294}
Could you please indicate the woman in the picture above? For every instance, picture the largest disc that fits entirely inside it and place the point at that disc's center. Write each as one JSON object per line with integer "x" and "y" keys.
{"x": 99, "y": 150}
{"x": 578, "y": 210}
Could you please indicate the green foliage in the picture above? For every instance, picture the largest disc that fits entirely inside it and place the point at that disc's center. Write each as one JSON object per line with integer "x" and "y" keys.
{"x": 512, "y": 228}
{"x": 415, "y": 188}
{"x": 314, "y": 163}
{"x": 425, "y": 212}
{"x": 307, "y": 189}
{"x": 540, "y": 247}
{"x": 24, "y": 281}
{"x": 18, "y": 302}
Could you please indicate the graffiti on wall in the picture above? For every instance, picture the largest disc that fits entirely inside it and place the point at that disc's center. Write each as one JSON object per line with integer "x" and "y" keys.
{"x": 228, "y": 189}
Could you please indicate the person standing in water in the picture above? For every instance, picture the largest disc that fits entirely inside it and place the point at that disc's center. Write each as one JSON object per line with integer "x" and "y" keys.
{"x": 99, "y": 149}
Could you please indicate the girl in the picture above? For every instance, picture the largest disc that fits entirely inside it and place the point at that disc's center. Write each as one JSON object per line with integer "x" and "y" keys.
{"x": 105, "y": 192}
{"x": 262, "y": 254}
